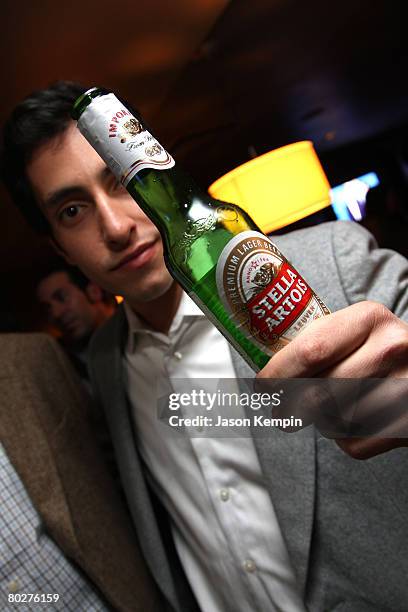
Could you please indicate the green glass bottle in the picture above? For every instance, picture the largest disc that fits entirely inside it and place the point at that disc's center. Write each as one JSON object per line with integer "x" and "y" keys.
{"x": 234, "y": 273}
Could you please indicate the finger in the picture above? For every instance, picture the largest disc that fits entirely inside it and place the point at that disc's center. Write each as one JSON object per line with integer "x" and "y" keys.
{"x": 365, "y": 448}
{"x": 325, "y": 343}
{"x": 324, "y": 402}
{"x": 303, "y": 399}
{"x": 384, "y": 353}
{"x": 380, "y": 408}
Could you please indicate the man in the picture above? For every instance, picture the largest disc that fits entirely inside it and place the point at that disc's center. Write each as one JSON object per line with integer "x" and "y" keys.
{"x": 76, "y": 307}
{"x": 261, "y": 524}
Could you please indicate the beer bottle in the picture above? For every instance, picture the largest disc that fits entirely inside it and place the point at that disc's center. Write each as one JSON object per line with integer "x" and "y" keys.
{"x": 234, "y": 273}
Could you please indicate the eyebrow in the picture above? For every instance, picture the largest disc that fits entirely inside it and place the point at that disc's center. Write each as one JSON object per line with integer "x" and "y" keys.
{"x": 72, "y": 191}
{"x": 62, "y": 194}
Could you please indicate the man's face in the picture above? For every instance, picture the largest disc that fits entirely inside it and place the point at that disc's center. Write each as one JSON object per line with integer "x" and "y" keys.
{"x": 67, "y": 307}
{"x": 94, "y": 221}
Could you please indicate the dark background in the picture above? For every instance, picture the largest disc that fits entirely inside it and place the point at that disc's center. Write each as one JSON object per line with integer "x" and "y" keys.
{"x": 217, "y": 80}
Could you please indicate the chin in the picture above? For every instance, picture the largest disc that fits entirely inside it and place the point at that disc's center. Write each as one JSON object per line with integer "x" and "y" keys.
{"x": 151, "y": 291}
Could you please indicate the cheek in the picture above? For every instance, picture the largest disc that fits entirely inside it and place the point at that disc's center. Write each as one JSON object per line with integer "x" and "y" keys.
{"x": 143, "y": 222}
{"x": 77, "y": 249}
{"x": 68, "y": 249}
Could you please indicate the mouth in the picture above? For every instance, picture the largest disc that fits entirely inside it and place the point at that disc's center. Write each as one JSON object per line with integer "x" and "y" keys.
{"x": 68, "y": 324}
{"x": 137, "y": 258}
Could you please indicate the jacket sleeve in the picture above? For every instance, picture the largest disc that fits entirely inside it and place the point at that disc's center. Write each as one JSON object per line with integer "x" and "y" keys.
{"x": 368, "y": 272}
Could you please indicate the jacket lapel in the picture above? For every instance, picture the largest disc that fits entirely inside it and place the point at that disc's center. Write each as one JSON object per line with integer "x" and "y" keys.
{"x": 288, "y": 464}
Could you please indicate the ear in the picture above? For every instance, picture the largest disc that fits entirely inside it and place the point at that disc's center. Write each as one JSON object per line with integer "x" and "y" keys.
{"x": 94, "y": 293}
{"x": 60, "y": 250}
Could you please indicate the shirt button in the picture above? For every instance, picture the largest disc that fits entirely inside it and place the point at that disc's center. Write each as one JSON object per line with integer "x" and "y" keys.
{"x": 177, "y": 355}
{"x": 249, "y": 566}
{"x": 224, "y": 495}
{"x": 13, "y": 586}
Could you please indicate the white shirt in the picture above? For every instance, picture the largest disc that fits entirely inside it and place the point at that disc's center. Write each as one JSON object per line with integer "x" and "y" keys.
{"x": 224, "y": 526}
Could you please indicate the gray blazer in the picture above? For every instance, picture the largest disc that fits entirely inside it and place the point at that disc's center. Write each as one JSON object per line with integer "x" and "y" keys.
{"x": 344, "y": 521}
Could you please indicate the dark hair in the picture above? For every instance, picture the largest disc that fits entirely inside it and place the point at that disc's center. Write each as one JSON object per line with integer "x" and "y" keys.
{"x": 36, "y": 120}
{"x": 75, "y": 276}
{"x": 56, "y": 265}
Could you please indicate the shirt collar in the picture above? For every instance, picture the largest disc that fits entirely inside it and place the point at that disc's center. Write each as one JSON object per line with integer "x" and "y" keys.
{"x": 186, "y": 309}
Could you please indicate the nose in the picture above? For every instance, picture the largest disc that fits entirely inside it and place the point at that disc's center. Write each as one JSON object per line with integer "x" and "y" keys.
{"x": 57, "y": 310}
{"x": 116, "y": 223}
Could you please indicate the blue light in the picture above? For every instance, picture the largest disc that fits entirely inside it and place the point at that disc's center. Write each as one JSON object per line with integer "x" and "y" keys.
{"x": 348, "y": 199}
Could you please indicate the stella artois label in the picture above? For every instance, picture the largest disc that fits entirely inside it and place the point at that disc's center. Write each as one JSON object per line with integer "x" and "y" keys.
{"x": 120, "y": 139}
{"x": 266, "y": 297}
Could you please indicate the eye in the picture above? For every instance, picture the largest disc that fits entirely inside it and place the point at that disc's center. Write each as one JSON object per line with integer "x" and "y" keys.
{"x": 60, "y": 296}
{"x": 71, "y": 213}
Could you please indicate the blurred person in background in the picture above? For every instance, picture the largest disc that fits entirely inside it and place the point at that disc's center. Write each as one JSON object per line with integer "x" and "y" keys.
{"x": 76, "y": 307}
